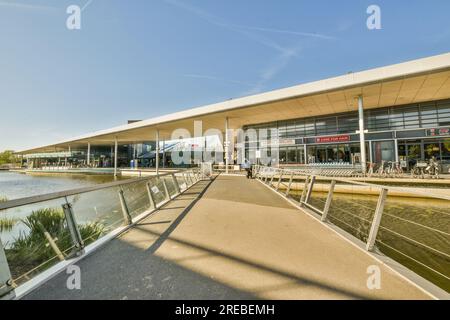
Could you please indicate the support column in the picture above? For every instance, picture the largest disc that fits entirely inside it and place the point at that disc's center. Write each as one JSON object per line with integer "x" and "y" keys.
{"x": 116, "y": 149}
{"x": 88, "y": 157}
{"x": 227, "y": 146}
{"x": 362, "y": 139}
{"x": 305, "y": 155}
{"x": 157, "y": 152}
{"x": 396, "y": 150}
{"x": 164, "y": 154}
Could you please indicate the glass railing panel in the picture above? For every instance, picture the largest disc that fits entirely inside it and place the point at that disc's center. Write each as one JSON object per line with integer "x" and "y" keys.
{"x": 170, "y": 185}
{"x": 136, "y": 197}
{"x": 352, "y": 212}
{"x": 99, "y": 212}
{"x": 157, "y": 189}
{"x": 35, "y": 237}
{"x": 181, "y": 181}
{"x": 416, "y": 233}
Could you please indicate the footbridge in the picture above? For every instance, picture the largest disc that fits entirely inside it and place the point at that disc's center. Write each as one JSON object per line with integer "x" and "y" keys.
{"x": 182, "y": 235}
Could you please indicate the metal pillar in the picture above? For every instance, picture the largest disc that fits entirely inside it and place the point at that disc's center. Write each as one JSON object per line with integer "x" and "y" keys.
{"x": 157, "y": 152}
{"x": 227, "y": 146}
{"x": 72, "y": 224}
{"x": 164, "y": 154}
{"x": 88, "y": 157}
{"x": 125, "y": 211}
{"x": 328, "y": 203}
{"x": 116, "y": 149}
{"x": 305, "y": 154}
{"x": 396, "y": 150}
{"x": 6, "y": 285}
{"x": 362, "y": 139}
{"x": 310, "y": 189}
{"x": 376, "y": 220}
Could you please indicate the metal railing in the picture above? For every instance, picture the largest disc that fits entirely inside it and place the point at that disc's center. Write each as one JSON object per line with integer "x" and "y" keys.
{"x": 419, "y": 241}
{"x": 232, "y": 169}
{"x": 38, "y": 232}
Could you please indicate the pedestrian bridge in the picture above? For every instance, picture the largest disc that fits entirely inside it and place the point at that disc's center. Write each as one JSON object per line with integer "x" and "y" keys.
{"x": 229, "y": 238}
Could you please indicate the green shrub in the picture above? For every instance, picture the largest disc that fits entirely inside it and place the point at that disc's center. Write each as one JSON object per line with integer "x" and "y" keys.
{"x": 31, "y": 249}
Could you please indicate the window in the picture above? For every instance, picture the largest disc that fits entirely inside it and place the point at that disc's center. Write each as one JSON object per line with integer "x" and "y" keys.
{"x": 348, "y": 124}
{"x": 378, "y": 120}
{"x": 428, "y": 116}
{"x": 411, "y": 117}
{"x": 444, "y": 114}
{"x": 310, "y": 128}
{"x": 326, "y": 126}
{"x": 396, "y": 119}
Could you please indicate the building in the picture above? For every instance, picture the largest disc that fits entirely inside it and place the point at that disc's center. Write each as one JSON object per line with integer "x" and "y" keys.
{"x": 398, "y": 113}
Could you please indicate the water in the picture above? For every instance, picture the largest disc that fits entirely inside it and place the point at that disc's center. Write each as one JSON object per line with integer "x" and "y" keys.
{"x": 15, "y": 185}
{"x": 413, "y": 231}
{"x": 102, "y": 207}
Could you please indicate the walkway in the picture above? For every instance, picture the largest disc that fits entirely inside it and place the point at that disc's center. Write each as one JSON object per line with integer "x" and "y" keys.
{"x": 231, "y": 239}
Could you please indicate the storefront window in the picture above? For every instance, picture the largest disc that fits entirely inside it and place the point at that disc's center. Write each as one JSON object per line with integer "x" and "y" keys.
{"x": 446, "y": 149}
{"x": 283, "y": 156}
{"x": 432, "y": 150}
{"x": 292, "y": 155}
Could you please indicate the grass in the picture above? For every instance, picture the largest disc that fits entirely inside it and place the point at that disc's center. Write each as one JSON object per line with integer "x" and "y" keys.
{"x": 31, "y": 250}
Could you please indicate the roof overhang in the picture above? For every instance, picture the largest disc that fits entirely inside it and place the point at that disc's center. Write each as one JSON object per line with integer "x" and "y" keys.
{"x": 409, "y": 82}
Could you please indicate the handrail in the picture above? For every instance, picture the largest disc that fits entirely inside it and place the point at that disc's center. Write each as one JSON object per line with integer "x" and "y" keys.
{"x": 56, "y": 195}
{"x": 365, "y": 184}
{"x": 266, "y": 176}
{"x": 69, "y": 242}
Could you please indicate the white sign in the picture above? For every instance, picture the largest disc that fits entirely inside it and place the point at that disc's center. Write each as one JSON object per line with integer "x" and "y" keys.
{"x": 155, "y": 189}
{"x": 258, "y": 154}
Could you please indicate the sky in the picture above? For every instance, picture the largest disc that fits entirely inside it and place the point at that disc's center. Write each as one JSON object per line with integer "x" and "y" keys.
{"x": 137, "y": 59}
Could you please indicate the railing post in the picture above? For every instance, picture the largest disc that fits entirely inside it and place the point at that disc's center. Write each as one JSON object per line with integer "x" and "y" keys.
{"x": 73, "y": 228}
{"x": 6, "y": 283}
{"x": 125, "y": 211}
{"x": 290, "y": 184}
{"x": 175, "y": 182}
{"x": 310, "y": 189}
{"x": 273, "y": 176}
{"x": 279, "y": 180}
{"x": 166, "y": 190}
{"x": 190, "y": 177}
{"x": 150, "y": 195}
{"x": 376, "y": 220}
{"x": 185, "y": 180}
{"x": 305, "y": 190}
{"x": 328, "y": 203}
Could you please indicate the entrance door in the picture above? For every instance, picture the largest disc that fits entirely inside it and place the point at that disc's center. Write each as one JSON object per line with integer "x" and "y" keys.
{"x": 383, "y": 151}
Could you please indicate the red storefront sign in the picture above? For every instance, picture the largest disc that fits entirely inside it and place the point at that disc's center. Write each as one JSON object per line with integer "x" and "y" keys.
{"x": 440, "y": 132}
{"x": 343, "y": 138}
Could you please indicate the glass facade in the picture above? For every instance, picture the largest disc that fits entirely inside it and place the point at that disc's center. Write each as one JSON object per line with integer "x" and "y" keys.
{"x": 426, "y": 115}
{"x": 388, "y": 130}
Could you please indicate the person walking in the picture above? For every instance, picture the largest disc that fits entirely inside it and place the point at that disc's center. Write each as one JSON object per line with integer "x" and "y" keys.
{"x": 247, "y": 166}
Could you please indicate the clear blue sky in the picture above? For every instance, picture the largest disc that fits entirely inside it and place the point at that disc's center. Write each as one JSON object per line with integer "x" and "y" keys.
{"x": 142, "y": 58}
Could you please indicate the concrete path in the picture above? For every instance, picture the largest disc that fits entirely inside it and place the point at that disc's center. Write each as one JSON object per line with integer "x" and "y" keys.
{"x": 238, "y": 240}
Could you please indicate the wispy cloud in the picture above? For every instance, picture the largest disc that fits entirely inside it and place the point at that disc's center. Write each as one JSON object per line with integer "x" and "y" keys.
{"x": 88, "y": 3}
{"x": 290, "y": 32}
{"x": 27, "y": 6}
{"x": 285, "y": 54}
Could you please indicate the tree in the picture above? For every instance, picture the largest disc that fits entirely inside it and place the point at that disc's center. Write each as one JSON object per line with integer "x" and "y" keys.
{"x": 7, "y": 157}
